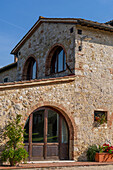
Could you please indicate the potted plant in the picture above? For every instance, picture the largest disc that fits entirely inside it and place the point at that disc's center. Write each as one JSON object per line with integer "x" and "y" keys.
{"x": 91, "y": 152}
{"x": 105, "y": 153}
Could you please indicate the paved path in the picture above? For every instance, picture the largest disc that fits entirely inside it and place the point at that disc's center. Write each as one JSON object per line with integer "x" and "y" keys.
{"x": 106, "y": 167}
{"x": 62, "y": 166}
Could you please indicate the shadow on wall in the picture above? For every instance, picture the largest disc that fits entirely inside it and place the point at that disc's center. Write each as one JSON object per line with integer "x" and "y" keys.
{"x": 2, "y": 146}
{"x": 83, "y": 156}
{"x": 1, "y": 149}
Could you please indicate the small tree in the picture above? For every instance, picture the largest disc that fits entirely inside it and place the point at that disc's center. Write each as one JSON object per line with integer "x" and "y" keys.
{"x": 14, "y": 150}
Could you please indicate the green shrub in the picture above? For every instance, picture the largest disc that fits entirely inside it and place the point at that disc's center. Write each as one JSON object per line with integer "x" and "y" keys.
{"x": 91, "y": 152}
{"x": 14, "y": 150}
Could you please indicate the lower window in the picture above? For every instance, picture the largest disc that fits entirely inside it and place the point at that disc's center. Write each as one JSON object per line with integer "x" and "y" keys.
{"x": 100, "y": 117}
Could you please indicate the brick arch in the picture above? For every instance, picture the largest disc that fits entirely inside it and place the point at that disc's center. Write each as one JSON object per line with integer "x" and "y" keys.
{"x": 50, "y": 55}
{"x": 68, "y": 117}
{"x": 25, "y": 66}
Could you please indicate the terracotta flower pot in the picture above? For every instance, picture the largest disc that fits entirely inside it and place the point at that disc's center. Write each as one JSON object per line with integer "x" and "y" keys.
{"x": 104, "y": 157}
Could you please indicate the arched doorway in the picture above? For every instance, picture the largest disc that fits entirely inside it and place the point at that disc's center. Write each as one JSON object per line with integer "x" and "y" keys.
{"x": 47, "y": 135}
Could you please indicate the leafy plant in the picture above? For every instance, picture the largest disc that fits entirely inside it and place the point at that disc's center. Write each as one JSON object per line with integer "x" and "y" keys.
{"x": 14, "y": 149}
{"x": 101, "y": 119}
{"x": 91, "y": 152}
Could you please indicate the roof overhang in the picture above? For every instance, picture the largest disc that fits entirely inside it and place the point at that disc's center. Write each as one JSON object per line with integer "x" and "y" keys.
{"x": 10, "y": 66}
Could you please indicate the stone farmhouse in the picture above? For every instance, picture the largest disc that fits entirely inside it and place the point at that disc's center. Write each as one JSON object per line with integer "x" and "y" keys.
{"x": 61, "y": 82}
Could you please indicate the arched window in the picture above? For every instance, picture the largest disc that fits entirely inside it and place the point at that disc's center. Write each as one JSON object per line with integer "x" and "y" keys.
{"x": 30, "y": 69}
{"x": 58, "y": 62}
{"x": 47, "y": 135}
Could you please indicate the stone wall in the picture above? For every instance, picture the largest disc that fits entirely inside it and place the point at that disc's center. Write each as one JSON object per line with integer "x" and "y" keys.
{"x": 93, "y": 87}
{"x": 25, "y": 97}
{"x": 11, "y": 74}
{"x": 42, "y": 41}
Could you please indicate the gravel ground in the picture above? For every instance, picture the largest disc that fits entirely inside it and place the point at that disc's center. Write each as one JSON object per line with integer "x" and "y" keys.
{"x": 105, "y": 167}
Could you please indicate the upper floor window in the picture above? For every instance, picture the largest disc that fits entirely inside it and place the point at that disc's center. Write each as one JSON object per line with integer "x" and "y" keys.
{"x": 30, "y": 69}
{"x": 5, "y": 79}
{"x": 58, "y": 62}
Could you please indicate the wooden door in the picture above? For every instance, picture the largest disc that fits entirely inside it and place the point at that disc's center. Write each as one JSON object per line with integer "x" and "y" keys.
{"x": 46, "y": 135}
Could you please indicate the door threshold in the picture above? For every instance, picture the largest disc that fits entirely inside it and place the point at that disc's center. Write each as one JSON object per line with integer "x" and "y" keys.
{"x": 52, "y": 161}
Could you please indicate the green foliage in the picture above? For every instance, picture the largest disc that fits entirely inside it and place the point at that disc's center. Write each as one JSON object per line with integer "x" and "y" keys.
{"x": 100, "y": 149}
{"x": 102, "y": 120}
{"x": 91, "y": 152}
{"x": 14, "y": 149}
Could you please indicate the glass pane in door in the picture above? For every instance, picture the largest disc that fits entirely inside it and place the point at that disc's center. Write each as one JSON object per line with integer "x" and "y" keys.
{"x": 64, "y": 132}
{"x": 38, "y": 127}
{"x": 53, "y": 126}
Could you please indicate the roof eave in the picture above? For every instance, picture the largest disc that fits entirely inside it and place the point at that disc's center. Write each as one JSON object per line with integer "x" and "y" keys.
{"x": 7, "y": 67}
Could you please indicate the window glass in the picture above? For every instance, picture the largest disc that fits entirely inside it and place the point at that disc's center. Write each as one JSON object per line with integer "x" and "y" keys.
{"x": 38, "y": 127}
{"x": 26, "y": 135}
{"x": 60, "y": 61}
{"x": 34, "y": 71}
{"x": 6, "y": 79}
{"x": 53, "y": 125}
{"x": 64, "y": 132}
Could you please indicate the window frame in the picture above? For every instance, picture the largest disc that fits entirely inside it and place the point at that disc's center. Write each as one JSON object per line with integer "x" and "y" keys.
{"x": 55, "y": 61}
{"x": 28, "y": 68}
{"x": 101, "y": 112}
{"x": 6, "y": 78}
